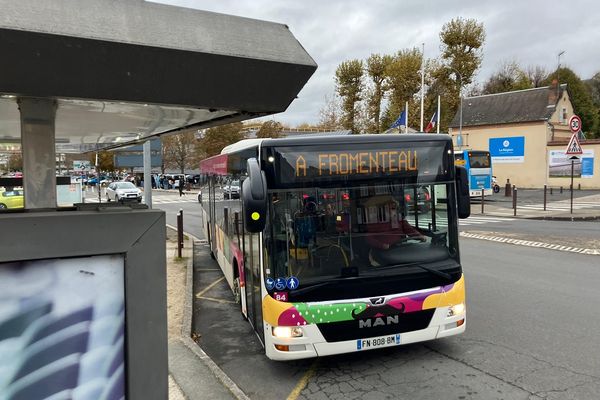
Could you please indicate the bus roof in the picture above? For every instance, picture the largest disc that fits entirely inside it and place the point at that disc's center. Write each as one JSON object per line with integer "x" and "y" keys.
{"x": 363, "y": 138}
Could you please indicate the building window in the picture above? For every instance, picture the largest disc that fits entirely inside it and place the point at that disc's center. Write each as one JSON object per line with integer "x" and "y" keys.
{"x": 563, "y": 116}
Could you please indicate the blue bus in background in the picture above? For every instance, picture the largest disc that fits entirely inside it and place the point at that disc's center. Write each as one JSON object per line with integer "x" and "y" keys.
{"x": 479, "y": 167}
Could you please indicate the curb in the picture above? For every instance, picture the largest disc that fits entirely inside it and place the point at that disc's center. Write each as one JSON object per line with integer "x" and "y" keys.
{"x": 186, "y": 328}
{"x": 529, "y": 243}
{"x": 565, "y": 218}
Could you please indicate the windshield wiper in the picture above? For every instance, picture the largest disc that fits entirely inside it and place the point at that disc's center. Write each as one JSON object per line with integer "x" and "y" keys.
{"x": 432, "y": 271}
{"x": 308, "y": 289}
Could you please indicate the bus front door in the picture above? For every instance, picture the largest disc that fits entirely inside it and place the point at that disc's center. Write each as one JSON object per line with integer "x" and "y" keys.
{"x": 253, "y": 284}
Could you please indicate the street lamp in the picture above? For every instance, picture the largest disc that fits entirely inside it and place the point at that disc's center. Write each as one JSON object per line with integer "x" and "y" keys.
{"x": 459, "y": 138}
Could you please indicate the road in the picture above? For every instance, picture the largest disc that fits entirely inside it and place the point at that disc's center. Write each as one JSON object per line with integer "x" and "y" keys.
{"x": 531, "y": 331}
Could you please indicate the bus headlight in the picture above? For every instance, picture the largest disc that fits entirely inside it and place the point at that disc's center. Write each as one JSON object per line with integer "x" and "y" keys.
{"x": 456, "y": 309}
{"x": 287, "y": 331}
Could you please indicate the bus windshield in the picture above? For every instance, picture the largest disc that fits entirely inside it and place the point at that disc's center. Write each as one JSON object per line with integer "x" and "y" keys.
{"x": 479, "y": 159}
{"x": 360, "y": 231}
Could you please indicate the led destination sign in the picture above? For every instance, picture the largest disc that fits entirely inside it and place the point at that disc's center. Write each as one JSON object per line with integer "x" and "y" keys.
{"x": 309, "y": 164}
{"x": 364, "y": 162}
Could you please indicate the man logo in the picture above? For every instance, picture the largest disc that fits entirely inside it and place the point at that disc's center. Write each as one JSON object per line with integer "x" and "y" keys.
{"x": 377, "y": 300}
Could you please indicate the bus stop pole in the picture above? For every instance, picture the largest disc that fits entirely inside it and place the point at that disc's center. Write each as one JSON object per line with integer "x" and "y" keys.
{"x": 147, "y": 174}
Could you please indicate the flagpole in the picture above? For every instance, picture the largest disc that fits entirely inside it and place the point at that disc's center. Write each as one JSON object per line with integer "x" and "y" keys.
{"x": 406, "y": 126}
{"x": 438, "y": 115}
{"x": 422, "y": 82}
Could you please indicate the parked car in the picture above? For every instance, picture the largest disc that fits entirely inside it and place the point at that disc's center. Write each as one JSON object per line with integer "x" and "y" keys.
{"x": 11, "y": 199}
{"x": 232, "y": 190}
{"x": 123, "y": 191}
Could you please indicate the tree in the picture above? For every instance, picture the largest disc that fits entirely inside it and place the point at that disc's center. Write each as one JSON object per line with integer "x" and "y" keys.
{"x": 349, "y": 86}
{"x": 179, "y": 151}
{"x": 593, "y": 86}
{"x": 15, "y": 162}
{"x": 537, "y": 75}
{"x": 508, "y": 78}
{"x": 270, "y": 129}
{"x": 461, "y": 46}
{"x": 106, "y": 160}
{"x": 376, "y": 69}
{"x": 330, "y": 114}
{"x": 403, "y": 82}
{"x": 215, "y": 139}
{"x": 580, "y": 98}
{"x": 462, "y": 41}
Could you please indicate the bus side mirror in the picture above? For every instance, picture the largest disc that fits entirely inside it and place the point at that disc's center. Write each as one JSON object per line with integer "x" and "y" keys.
{"x": 254, "y": 197}
{"x": 463, "y": 197}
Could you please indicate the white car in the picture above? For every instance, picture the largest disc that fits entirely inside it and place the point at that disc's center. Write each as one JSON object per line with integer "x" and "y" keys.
{"x": 123, "y": 191}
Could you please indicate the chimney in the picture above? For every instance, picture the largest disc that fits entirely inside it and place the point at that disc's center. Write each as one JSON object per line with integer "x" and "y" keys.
{"x": 553, "y": 93}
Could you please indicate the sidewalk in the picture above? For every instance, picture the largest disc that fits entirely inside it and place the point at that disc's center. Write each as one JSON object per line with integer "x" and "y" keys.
{"x": 192, "y": 374}
{"x": 530, "y": 205}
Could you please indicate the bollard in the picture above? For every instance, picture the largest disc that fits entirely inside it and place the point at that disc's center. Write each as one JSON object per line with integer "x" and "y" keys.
{"x": 545, "y": 187}
{"x": 507, "y": 188}
{"x": 579, "y": 186}
{"x": 514, "y": 196}
{"x": 482, "y": 198}
{"x": 179, "y": 232}
{"x": 551, "y": 191}
{"x": 561, "y": 190}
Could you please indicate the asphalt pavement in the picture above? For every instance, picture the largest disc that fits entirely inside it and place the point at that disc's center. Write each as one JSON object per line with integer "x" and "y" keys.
{"x": 528, "y": 335}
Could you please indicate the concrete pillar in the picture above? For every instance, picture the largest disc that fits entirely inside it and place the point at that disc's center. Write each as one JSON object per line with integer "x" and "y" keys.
{"x": 147, "y": 174}
{"x": 38, "y": 148}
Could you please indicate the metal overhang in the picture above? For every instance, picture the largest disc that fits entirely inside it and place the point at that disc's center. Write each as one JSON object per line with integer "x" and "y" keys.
{"x": 125, "y": 71}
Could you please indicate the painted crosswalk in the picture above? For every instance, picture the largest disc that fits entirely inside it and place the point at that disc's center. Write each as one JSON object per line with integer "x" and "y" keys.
{"x": 159, "y": 200}
{"x": 442, "y": 223}
{"x": 563, "y": 205}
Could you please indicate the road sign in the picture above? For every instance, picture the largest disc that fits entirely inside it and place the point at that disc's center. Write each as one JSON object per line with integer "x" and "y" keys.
{"x": 83, "y": 166}
{"x": 574, "y": 147}
{"x": 575, "y": 124}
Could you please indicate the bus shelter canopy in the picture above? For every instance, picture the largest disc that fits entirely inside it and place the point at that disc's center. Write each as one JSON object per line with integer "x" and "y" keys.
{"x": 124, "y": 71}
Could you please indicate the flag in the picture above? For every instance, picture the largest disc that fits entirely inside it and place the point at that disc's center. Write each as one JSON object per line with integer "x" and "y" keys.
{"x": 400, "y": 121}
{"x": 431, "y": 123}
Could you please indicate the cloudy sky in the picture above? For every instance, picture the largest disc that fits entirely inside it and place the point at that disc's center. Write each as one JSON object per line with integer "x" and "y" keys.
{"x": 530, "y": 32}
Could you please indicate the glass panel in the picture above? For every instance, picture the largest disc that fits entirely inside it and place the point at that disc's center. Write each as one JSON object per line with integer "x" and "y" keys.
{"x": 368, "y": 230}
{"x": 479, "y": 159}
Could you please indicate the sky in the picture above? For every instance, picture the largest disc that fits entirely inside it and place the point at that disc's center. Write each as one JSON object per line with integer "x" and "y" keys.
{"x": 530, "y": 32}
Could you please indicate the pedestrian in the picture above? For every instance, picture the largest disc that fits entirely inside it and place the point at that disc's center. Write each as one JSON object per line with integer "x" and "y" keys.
{"x": 180, "y": 187}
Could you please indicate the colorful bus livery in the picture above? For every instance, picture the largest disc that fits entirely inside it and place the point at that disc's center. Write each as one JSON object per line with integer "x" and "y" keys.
{"x": 479, "y": 168}
{"x": 329, "y": 256}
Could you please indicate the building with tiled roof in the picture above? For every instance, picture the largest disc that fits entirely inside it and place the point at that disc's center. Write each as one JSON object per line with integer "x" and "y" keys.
{"x": 535, "y": 121}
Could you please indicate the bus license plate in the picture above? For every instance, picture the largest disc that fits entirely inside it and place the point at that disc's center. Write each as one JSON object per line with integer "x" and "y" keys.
{"x": 377, "y": 342}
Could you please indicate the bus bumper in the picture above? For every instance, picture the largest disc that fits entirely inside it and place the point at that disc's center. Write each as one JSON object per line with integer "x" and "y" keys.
{"x": 312, "y": 344}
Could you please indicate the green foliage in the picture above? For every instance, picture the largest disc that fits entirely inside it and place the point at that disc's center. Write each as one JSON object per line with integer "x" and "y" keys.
{"x": 349, "y": 86}
{"x": 580, "y": 98}
{"x": 218, "y": 137}
{"x": 403, "y": 82}
{"x": 462, "y": 41}
{"x": 377, "y": 66}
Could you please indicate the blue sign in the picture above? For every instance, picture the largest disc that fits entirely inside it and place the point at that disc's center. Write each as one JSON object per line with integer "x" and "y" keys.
{"x": 292, "y": 283}
{"x": 280, "y": 283}
{"x": 270, "y": 283}
{"x": 587, "y": 167}
{"x": 507, "y": 149}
